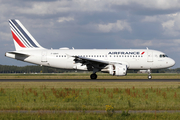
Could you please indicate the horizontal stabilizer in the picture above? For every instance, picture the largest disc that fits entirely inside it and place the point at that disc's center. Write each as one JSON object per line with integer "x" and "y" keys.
{"x": 17, "y": 53}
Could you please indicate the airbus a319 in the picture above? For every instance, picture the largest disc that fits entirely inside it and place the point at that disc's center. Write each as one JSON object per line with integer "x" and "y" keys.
{"x": 116, "y": 62}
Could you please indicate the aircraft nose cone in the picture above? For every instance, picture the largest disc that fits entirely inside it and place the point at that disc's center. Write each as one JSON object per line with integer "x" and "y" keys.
{"x": 172, "y": 62}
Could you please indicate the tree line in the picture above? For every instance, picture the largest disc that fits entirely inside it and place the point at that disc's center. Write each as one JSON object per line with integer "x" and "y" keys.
{"x": 44, "y": 69}
{"x": 29, "y": 69}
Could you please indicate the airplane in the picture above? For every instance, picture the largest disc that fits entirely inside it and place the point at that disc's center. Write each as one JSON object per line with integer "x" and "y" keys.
{"x": 116, "y": 62}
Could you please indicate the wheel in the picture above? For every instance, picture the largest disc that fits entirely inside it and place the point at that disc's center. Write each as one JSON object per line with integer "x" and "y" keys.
{"x": 149, "y": 77}
{"x": 93, "y": 76}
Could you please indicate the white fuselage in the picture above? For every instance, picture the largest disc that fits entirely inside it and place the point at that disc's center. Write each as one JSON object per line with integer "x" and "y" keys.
{"x": 113, "y": 61}
{"x": 62, "y": 58}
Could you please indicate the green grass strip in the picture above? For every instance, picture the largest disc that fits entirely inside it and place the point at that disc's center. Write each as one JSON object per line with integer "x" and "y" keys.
{"x": 91, "y": 116}
{"x": 89, "y": 96}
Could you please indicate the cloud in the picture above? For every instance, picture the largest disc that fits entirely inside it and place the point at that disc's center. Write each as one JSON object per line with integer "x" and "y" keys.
{"x": 114, "y": 27}
{"x": 44, "y": 8}
{"x": 168, "y": 25}
{"x": 169, "y": 43}
{"x": 171, "y": 25}
{"x": 154, "y": 4}
{"x": 5, "y": 36}
{"x": 150, "y": 19}
{"x": 62, "y": 6}
{"x": 115, "y": 23}
{"x": 64, "y": 19}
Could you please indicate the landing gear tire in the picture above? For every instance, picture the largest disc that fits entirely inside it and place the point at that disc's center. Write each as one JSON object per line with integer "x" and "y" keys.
{"x": 93, "y": 76}
{"x": 149, "y": 74}
{"x": 149, "y": 77}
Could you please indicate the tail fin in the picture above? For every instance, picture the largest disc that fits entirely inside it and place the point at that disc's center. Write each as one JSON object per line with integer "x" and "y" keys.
{"x": 22, "y": 38}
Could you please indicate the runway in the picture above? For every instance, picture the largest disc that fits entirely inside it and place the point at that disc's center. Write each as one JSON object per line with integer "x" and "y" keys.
{"x": 89, "y": 80}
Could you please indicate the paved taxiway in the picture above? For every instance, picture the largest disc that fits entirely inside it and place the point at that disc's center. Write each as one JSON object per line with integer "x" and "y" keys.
{"x": 89, "y": 80}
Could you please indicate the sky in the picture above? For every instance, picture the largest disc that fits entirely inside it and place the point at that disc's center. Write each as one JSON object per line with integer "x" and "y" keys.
{"x": 89, "y": 24}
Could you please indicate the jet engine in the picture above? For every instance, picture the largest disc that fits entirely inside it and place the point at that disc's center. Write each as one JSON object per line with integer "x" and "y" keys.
{"x": 116, "y": 69}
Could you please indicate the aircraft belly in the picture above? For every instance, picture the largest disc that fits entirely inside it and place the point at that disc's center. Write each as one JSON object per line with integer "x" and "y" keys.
{"x": 134, "y": 65}
{"x": 160, "y": 64}
{"x": 57, "y": 63}
{"x": 140, "y": 65}
{"x": 69, "y": 64}
{"x": 33, "y": 59}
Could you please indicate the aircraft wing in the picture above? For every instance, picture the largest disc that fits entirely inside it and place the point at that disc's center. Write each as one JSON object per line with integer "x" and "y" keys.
{"x": 85, "y": 60}
{"x": 94, "y": 63}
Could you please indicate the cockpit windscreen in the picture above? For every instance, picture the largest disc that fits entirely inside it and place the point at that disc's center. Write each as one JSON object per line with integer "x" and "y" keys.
{"x": 163, "y": 56}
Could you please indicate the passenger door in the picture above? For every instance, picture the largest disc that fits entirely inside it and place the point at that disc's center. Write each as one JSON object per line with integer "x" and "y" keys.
{"x": 44, "y": 56}
{"x": 150, "y": 56}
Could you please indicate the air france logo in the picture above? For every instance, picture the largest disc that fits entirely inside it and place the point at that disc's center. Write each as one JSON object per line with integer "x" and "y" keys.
{"x": 126, "y": 53}
{"x": 142, "y": 53}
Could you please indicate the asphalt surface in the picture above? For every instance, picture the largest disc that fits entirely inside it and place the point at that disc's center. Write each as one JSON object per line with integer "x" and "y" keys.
{"x": 89, "y": 80}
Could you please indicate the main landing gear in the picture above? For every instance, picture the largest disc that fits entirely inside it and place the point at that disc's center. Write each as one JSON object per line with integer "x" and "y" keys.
{"x": 149, "y": 74}
{"x": 93, "y": 76}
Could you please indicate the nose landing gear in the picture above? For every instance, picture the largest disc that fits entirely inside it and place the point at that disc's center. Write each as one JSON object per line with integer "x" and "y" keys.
{"x": 149, "y": 77}
{"x": 149, "y": 74}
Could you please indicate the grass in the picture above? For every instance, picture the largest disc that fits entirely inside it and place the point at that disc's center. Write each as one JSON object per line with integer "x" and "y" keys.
{"x": 83, "y": 96}
{"x": 87, "y": 76}
{"x": 91, "y": 116}
{"x": 89, "y": 95}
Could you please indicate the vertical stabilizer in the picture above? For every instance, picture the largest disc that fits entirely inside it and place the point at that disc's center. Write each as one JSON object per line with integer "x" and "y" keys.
{"x": 22, "y": 38}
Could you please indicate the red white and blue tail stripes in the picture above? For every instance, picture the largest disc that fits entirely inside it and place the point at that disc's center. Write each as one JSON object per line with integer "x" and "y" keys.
{"x": 22, "y": 38}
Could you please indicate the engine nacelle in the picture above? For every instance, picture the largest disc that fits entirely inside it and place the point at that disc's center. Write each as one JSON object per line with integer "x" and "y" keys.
{"x": 117, "y": 69}
{"x": 79, "y": 67}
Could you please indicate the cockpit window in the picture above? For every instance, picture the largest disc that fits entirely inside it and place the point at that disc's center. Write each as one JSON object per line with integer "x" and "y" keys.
{"x": 163, "y": 56}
